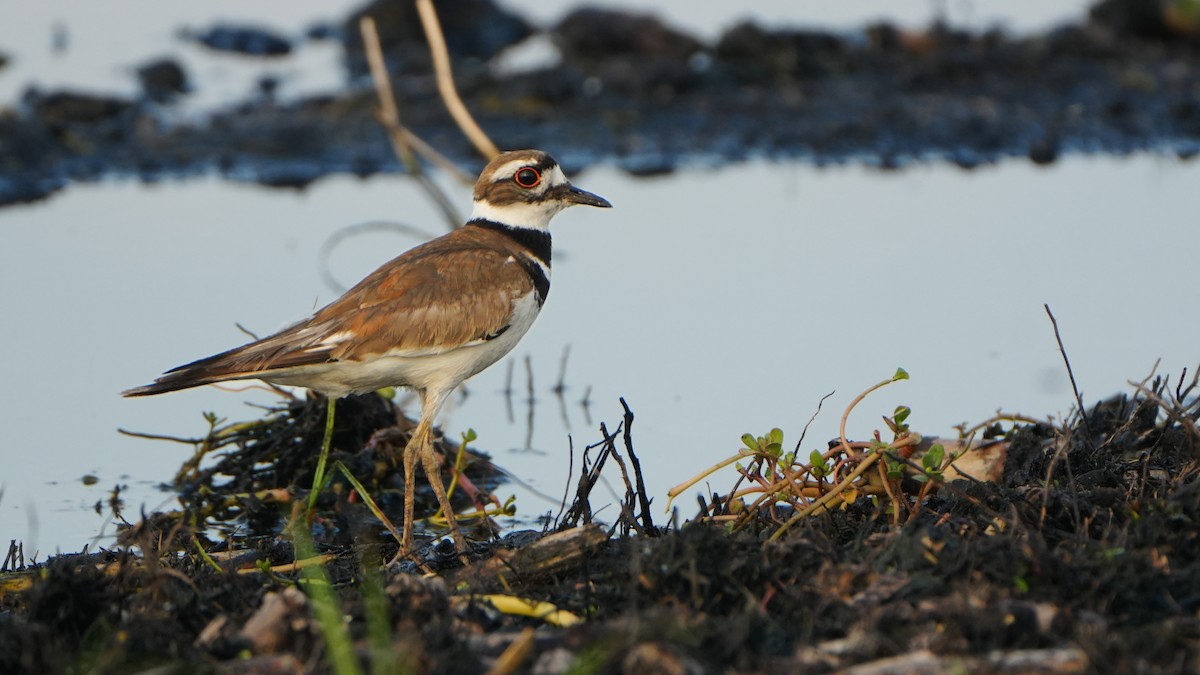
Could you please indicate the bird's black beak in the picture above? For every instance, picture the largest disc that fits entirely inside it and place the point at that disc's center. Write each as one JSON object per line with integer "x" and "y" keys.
{"x": 577, "y": 196}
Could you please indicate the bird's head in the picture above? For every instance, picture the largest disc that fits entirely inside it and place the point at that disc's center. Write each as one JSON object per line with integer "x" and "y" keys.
{"x": 526, "y": 188}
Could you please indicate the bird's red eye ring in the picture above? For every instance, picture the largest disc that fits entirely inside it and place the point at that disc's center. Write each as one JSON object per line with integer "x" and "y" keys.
{"x": 528, "y": 177}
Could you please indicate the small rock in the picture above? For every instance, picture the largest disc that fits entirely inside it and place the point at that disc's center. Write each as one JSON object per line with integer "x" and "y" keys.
{"x": 244, "y": 40}
{"x": 162, "y": 80}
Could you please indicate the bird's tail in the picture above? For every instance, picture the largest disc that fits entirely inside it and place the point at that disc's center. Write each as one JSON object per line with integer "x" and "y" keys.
{"x": 216, "y": 368}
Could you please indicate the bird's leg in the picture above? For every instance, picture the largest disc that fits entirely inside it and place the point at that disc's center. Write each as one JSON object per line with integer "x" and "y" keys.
{"x": 411, "y": 452}
{"x": 420, "y": 444}
{"x": 319, "y": 476}
{"x": 433, "y": 470}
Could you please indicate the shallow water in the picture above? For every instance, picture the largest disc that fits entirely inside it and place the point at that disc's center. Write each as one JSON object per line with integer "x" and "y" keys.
{"x": 715, "y": 302}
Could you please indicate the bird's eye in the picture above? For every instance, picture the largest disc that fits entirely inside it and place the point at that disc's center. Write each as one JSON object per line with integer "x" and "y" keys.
{"x": 528, "y": 177}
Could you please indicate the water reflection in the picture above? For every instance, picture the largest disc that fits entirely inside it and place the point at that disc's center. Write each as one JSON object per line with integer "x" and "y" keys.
{"x": 715, "y": 303}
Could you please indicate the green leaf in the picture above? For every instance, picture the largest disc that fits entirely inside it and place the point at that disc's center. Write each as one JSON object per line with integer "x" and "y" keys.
{"x": 469, "y": 435}
{"x": 933, "y": 458}
{"x": 816, "y": 458}
{"x": 901, "y": 414}
{"x": 901, "y": 374}
{"x": 750, "y": 442}
{"x": 776, "y": 436}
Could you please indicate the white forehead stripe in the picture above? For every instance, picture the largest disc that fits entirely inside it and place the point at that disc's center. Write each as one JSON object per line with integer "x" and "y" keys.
{"x": 509, "y": 169}
{"x": 554, "y": 176}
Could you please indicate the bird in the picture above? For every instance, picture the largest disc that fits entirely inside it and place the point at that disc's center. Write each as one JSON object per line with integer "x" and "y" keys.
{"x": 428, "y": 319}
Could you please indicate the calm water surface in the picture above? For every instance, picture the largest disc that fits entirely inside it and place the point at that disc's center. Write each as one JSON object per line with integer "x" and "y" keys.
{"x": 715, "y": 302}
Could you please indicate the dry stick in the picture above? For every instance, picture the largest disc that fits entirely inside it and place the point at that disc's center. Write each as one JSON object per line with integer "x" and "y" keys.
{"x": 1181, "y": 392}
{"x": 587, "y": 480}
{"x": 637, "y": 467}
{"x": 1071, "y": 374}
{"x": 403, "y": 140}
{"x": 627, "y": 503}
{"x": 1188, "y": 424}
{"x": 445, "y": 81}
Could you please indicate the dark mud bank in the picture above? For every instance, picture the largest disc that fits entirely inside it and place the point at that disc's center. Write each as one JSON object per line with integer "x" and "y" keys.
{"x": 633, "y": 92}
{"x": 1080, "y": 557}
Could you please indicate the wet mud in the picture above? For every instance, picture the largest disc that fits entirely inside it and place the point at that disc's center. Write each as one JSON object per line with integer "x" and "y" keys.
{"x": 1080, "y": 557}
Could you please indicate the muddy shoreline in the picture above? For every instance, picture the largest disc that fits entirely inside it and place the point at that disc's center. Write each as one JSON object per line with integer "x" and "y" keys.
{"x": 1078, "y": 557}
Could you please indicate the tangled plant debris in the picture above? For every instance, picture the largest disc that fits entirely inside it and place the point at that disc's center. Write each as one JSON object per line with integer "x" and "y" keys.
{"x": 1077, "y": 556}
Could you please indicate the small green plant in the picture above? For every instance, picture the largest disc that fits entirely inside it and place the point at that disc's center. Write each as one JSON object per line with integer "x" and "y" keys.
{"x": 931, "y": 464}
{"x": 770, "y": 478}
{"x": 771, "y": 444}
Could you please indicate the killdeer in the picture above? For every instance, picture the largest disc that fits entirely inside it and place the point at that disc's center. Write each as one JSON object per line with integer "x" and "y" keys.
{"x": 429, "y": 319}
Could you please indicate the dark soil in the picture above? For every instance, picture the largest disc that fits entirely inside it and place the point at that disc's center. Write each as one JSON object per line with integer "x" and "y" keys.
{"x": 636, "y": 93}
{"x": 1082, "y": 558}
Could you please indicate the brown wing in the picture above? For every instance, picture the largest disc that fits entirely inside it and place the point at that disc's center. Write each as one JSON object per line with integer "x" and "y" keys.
{"x": 452, "y": 290}
{"x": 431, "y": 299}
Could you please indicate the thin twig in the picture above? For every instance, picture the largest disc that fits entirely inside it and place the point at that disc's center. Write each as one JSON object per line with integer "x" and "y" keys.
{"x": 999, "y": 417}
{"x": 402, "y": 139}
{"x": 445, "y": 80}
{"x": 1071, "y": 374}
{"x": 567, "y": 485}
{"x": 588, "y": 477}
{"x": 804, "y": 431}
{"x": 1189, "y": 425}
{"x": 159, "y": 437}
